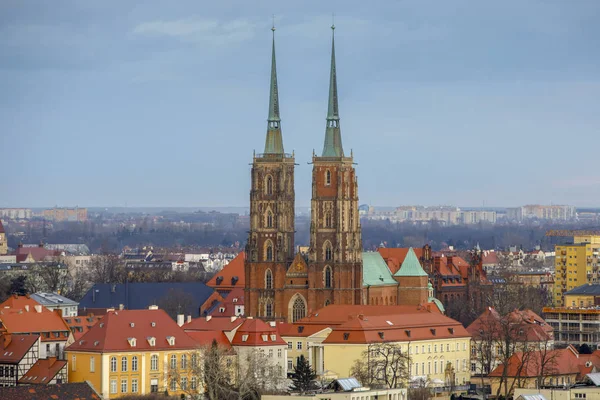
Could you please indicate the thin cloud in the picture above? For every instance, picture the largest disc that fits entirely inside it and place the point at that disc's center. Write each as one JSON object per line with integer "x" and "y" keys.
{"x": 210, "y": 31}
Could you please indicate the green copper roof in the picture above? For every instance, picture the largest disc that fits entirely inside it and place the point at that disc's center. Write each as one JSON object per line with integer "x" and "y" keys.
{"x": 411, "y": 266}
{"x": 375, "y": 270}
{"x": 274, "y": 141}
{"x": 333, "y": 137}
{"x": 437, "y": 303}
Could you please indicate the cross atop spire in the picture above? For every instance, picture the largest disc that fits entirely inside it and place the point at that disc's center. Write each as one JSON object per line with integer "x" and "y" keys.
{"x": 274, "y": 141}
{"x": 333, "y": 138}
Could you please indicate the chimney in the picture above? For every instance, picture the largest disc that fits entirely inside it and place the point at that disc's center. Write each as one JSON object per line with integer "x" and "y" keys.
{"x": 27, "y": 296}
{"x": 153, "y": 307}
{"x": 27, "y": 307}
{"x": 20, "y": 245}
{"x": 7, "y": 338}
{"x": 180, "y": 319}
{"x": 189, "y": 319}
{"x": 41, "y": 245}
{"x": 59, "y": 311}
{"x": 38, "y": 308}
{"x": 121, "y": 307}
{"x": 208, "y": 317}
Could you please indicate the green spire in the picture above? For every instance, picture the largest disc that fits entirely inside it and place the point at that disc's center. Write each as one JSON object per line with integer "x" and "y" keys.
{"x": 333, "y": 137}
{"x": 411, "y": 266}
{"x": 274, "y": 141}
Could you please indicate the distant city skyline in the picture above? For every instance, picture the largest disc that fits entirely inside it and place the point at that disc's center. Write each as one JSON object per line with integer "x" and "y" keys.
{"x": 149, "y": 104}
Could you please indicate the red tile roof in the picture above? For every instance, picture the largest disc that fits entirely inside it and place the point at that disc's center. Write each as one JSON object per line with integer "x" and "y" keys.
{"x": 224, "y": 279}
{"x": 299, "y": 329}
{"x": 113, "y": 332}
{"x": 227, "y": 307}
{"x": 394, "y": 257}
{"x": 397, "y": 328}
{"x": 210, "y": 323}
{"x": 64, "y": 391}
{"x": 14, "y": 347}
{"x": 205, "y": 338}
{"x": 37, "y": 253}
{"x": 525, "y": 325}
{"x": 557, "y": 362}
{"x": 80, "y": 325}
{"x": 337, "y": 314}
{"x": 43, "y": 371}
{"x": 16, "y": 301}
{"x": 255, "y": 332}
{"x": 32, "y": 318}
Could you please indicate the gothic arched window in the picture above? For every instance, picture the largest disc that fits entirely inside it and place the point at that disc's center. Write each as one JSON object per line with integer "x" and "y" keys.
{"x": 327, "y": 277}
{"x": 298, "y": 309}
{"x": 328, "y": 220}
{"x": 269, "y": 219}
{"x": 328, "y": 177}
{"x": 269, "y": 251}
{"x": 328, "y": 251}
{"x": 268, "y": 279}
{"x": 269, "y": 185}
{"x": 269, "y": 310}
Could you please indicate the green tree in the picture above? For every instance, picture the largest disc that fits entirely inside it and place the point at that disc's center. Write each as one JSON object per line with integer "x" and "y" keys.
{"x": 303, "y": 376}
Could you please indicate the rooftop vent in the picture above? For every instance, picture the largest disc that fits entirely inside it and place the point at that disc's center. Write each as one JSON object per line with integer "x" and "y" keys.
{"x": 407, "y": 332}
{"x": 346, "y": 335}
{"x": 451, "y": 330}
{"x": 300, "y": 329}
{"x": 219, "y": 280}
{"x": 234, "y": 280}
{"x": 432, "y": 331}
{"x": 380, "y": 334}
{"x": 132, "y": 324}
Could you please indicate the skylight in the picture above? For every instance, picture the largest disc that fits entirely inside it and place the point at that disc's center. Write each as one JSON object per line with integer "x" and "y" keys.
{"x": 389, "y": 322}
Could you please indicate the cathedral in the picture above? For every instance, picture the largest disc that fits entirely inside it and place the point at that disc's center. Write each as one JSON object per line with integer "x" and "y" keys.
{"x": 279, "y": 284}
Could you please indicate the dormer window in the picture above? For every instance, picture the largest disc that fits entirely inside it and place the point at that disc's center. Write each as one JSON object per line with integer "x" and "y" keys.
{"x": 222, "y": 309}
{"x": 432, "y": 331}
{"x": 244, "y": 338}
{"x": 235, "y": 300}
{"x": 153, "y": 324}
{"x": 132, "y": 341}
{"x": 131, "y": 324}
{"x": 273, "y": 338}
{"x": 151, "y": 341}
{"x": 346, "y": 335}
{"x": 171, "y": 340}
{"x": 265, "y": 338}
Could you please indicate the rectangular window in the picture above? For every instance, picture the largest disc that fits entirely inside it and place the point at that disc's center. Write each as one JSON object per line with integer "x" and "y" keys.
{"x": 134, "y": 386}
{"x": 184, "y": 381}
{"x": 290, "y": 345}
{"x": 92, "y": 364}
{"x": 290, "y": 365}
{"x": 113, "y": 386}
{"x": 74, "y": 363}
{"x": 299, "y": 345}
{"x": 123, "y": 385}
{"x": 279, "y": 353}
{"x": 473, "y": 367}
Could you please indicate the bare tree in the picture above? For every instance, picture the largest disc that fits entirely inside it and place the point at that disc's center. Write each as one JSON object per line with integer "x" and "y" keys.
{"x": 258, "y": 375}
{"x": 105, "y": 268}
{"x": 382, "y": 364}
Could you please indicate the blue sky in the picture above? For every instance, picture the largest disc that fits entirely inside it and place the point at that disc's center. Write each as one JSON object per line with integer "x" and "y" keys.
{"x": 154, "y": 103}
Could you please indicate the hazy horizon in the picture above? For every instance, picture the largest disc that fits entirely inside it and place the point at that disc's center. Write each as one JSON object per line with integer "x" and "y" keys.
{"x": 156, "y": 104}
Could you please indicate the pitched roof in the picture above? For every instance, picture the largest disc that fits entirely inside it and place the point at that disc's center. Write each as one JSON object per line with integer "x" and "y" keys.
{"x": 205, "y": 338}
{"x": 231, "y": 276}
{"x": 394, "y": 257}
{"x": 411, "y": 266}
{"x": 33, "y": 319}
{"x": 80, "y": 325}
{"x": 37, "y": 253}
{"x": 14, "y": 347}
{"x": 117, "y": 329}
{"x": 16, "y": 301}
{"x": 63, "y": 391}
{"x": 375, "y": 270}
{"x": 210, "y": 323}
{"x": 589, "y": 289}
{"x": 43, "y": 371}
{"x": 555, "y": 362}
{"x": 397, "y": 328}
{"x": 139, "y": 296}
{"x": 255, "y": 332}
{"x": 337, "y": 314}
{"x": 524, "y": 325}
{"x": 226, "y": 308}
{"x": 299, "y": 330}
{"x": 52, "y": 299}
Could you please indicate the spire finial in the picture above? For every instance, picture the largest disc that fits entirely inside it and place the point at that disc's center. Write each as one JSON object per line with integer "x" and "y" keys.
{"x": 333, "y": 137}
{"x": 274, "y": 142}
{"x": 333, "y": 21}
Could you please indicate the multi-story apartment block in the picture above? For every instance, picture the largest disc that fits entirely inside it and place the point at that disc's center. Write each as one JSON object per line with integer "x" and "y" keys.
{"x": 16, "y": 213}
{"x": 575, "y": 264}
{"x": 578, "y": 320}
{"x": 66, "y": 214}
{"x": 553, "y": 212}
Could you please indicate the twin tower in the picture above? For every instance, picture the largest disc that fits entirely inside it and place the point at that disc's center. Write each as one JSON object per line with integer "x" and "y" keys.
{"x": 282, "y": 285}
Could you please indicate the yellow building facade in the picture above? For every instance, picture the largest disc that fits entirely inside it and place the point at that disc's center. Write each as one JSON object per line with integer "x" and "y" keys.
{"x": 575, "y": 264}
{"x": 118, "y": 374}
{"x": 428, "y": 358}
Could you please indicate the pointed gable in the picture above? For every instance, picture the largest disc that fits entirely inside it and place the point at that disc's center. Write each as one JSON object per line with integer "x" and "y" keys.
{"x": 411, "y": 266}
{"x": 298, "y": 266}
{"x": 375, "y": 270}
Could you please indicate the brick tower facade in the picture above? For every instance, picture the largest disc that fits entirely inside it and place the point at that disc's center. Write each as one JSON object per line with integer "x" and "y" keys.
{"x": 270, "y": 245}
{"x": 335, "y": 254}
